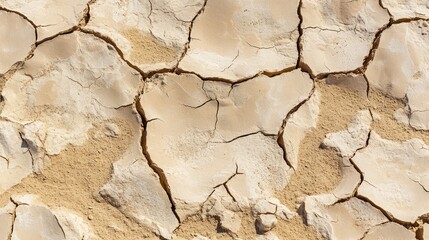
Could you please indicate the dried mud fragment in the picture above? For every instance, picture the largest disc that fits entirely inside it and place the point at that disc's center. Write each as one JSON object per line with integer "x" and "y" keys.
{"x": 32, "y": 220}
{"x": 391, "y": 231}
{"x": 6, "y": 220}
{"x": 299, "y": 124}
{"x": 396, "y": 176}
{"x": 17, "y": 36}
{"x": 237, "y": 39}
{"x": 401, "y": 68}
{"x": 61, "y": 93}
{"x": 151, "y": 34}
{"x": 407, "y": 9}
{"x": 349, "y": 141}
{"x": 338, "y": 35}
{"x": 61, "y": 90}
{"x": 346, "y": 220}
{"x": 51, "y": 17}
{"x": 15, "y": 159}
{"x": 192, "y": 125}
{"x": 135, "y": 190}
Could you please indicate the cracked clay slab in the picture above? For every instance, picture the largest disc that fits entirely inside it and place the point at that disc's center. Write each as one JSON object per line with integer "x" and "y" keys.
{"x": 404, "y": 9}
{"x": 64, "y": 16}
{"x": 189, "y": 129}
{"x": 60, "y": 91}
{"x": 345, "y": 220}
{"x": 27, "y": 225}
{"x": 32, "y": 220}
{"x": 391, "y": 231}
{"x": 237, "y": 39}
{"x": 151, "y": 34}
{"x": 57, "y": 97}
{"x": 299, "y": 124}
{"x": 15, "y": 159}
{"x": 401, "y": 68}
{"x": 205, "y": 106}
{"x": 14, "y": 47}
{"x": 347, "y": 142}
{"x": 6, "y": 220}
{"x": 396, "y": 176}
{"x": 135, "y": 189}
{"x": 338, "y": 35}
{"x": 242, "y": 112}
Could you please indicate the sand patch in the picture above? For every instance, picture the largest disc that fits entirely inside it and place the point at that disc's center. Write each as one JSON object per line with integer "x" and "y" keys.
{"x": 389, "y": 127}
{"x": 319, "y": 169}
{"x": 196, "y": 225}
{"x": 295, "y": 229}
{"x": 209, "y": 227}
{"x": 75, "y": 177}
{"x": 145, "y": 49}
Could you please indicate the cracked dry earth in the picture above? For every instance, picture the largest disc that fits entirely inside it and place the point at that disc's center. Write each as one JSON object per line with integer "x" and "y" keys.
{"x": 204, "y": 119}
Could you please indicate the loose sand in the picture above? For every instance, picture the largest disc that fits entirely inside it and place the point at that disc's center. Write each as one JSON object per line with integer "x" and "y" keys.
{"x": 388, "y": 127}
{"x": 319, "y": 169}
{"x": 74, "y": 178}
{"x": 148, "y": 50}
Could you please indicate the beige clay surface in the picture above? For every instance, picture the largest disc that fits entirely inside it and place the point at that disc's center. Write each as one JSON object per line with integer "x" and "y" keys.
{"x": 203, "y": 119}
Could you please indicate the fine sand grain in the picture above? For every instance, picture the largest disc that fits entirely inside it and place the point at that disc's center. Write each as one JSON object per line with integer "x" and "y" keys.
{"x": 148, "y": 50}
